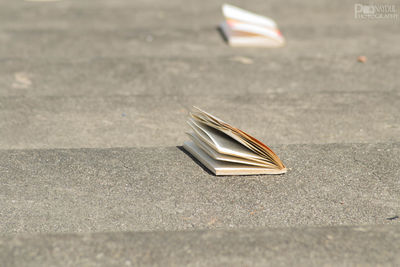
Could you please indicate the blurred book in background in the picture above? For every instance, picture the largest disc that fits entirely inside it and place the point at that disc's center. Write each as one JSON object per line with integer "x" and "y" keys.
{"x": 244, "y": 28}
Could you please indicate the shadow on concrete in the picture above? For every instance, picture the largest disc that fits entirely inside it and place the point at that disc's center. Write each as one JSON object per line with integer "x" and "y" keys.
{"x": 195, "y": 160}
{"x": 221, "y": 32}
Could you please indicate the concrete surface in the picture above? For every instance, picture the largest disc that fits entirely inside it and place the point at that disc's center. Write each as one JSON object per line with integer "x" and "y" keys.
{"x": 145, "y": 189}
{"x": 74, "y": 68}
{"x": 311, "y": 246}
{"x": 93, "y": 101}
{"x": 137, "y": 121}
{"x": 78, "y": 30}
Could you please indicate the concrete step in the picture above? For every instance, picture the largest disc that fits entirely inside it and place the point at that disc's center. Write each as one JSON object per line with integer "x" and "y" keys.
{"x": 307, "y": 246}
{"x": 129, "y": 121}
{"x": 118, "y": 14}
{"x": 79, "y": 79}
{"x": 86, "y": 30}
{"x": 200, "y": 77}
{"x": 147, "y": 189}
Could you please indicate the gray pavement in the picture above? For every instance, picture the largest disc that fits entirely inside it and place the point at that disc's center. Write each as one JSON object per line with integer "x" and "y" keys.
{"x": 132, "y": 121}
{"x": 311, "y": 246}
{"x": 74, "y": 68}
{"x": 93, "y": 101}
{"x": 146, "y": 189}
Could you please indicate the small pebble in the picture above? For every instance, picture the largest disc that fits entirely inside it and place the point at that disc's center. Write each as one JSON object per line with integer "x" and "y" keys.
{"x": 362, "y": 59}
{"x": 243, "y": 60}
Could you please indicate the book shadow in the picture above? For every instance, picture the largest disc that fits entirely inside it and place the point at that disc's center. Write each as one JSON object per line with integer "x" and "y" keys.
{"x": 221, "y": 32}
{"x": 195, "y": 160}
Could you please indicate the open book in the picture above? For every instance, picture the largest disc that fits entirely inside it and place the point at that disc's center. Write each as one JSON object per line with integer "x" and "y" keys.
{"x": 226, "y": 150}
{"x": 243, "y": 28}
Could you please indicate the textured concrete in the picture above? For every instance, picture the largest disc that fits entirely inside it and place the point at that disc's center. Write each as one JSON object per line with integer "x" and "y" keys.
{"x": 93, "y": 101}
{"x": 164, "y": 189}
{"x": 87, "y": 29}
{"x": 130, "y": 121}
{"x": 105, "y": 74}
{"x": 221, "y": 75}
{"x": 324, "y": 246}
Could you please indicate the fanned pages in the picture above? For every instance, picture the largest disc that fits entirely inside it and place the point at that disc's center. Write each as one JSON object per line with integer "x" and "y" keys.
{"x": 243, "y": 28}
{"x": 226, "y": 150}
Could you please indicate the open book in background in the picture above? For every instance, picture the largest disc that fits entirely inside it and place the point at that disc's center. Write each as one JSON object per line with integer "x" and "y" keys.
{"x": 243, "y": 28}
{"x": 226, "y": 150}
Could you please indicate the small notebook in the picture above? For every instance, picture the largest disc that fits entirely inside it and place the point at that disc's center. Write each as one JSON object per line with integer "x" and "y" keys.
{"x": 226, "y": 150}
{"x": 243, "y": 28}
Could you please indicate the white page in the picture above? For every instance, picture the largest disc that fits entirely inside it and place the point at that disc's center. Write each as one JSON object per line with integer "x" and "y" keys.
{"x": 254, "y": 29}
{"x": 264, "y": 37}
{"x": 235, "y": 13}
{"x": 256, "y": 148}
{"x": 221, "y": 142}
{"x": 239, "y": 138}
{"x": 218, "y": 156}
{"x": 226, "y": 168}
{"x": 253, "y": 41}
